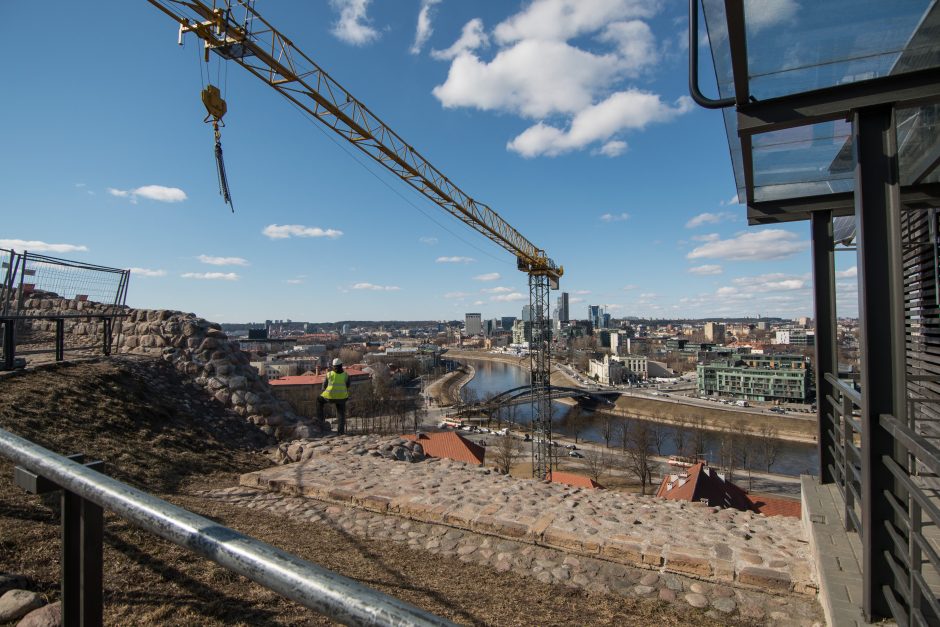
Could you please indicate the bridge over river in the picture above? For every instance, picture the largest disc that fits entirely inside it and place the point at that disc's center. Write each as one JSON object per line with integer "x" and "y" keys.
{"x": 523, "y": 394}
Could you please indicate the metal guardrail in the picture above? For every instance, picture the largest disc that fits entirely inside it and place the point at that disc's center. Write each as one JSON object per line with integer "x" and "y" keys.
{"x": 333, "y": 595}
{"x": 916, "y": 510}
{"x": 845, "y": 437}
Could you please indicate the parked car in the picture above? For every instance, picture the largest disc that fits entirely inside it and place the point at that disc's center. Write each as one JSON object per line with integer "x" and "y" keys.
{"x": 574, "y": 454}
{"x": 571, "y": 446}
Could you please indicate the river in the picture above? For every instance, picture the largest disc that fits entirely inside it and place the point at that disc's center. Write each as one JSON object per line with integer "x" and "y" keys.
{"x": 494, "y": 377}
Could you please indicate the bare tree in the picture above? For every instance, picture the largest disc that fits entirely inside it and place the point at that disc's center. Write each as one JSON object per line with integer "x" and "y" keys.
{"x": 639, "y": 453}
{"x": 598, "y": 462}
{"x": 727, "y": 451}
{"x": 607, "y": 429}
{"x": 623, "y": 432}
{"x": 658, "y": 432}
{"x": 699, "y": 433}
{"x": 506, "y": 453}
{"x": 768, "y": 445}
{"x": 680, "y": 437}
{"x": 747, "y": 450}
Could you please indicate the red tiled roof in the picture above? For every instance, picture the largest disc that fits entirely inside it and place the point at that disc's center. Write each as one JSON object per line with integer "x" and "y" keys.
{"x": 317, "y": 379}
{"x": 702, "y": 483}
{"x": 450, "y": 445}
{"x": 776, "y": 506}
{"x": 573, "y": 479}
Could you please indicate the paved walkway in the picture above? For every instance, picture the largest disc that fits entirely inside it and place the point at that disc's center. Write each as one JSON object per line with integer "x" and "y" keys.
{"x": 712, "y": 553}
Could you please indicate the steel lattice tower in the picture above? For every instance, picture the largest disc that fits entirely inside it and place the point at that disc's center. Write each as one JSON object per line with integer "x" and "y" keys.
{"x": 540, "y": 365}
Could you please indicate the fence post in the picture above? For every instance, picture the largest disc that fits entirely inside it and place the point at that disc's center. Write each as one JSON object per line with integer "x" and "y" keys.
{"x": 9, "y": 343}
{"x": 59, "y": 339}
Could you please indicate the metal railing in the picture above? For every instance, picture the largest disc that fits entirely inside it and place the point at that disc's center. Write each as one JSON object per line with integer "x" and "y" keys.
{"x": 86, "y": 492}
{"x": 915, "y": 528}
{"x": 844, "y": 447}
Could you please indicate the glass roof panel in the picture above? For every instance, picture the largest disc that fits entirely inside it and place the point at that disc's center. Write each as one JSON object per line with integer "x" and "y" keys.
{"x": 918, "y": 132}
{"x": 794, "y": 47}
{"x": 804, "y": 161}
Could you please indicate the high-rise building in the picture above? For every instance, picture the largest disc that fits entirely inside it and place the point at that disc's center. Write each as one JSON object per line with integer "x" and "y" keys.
{"x": 594, "y": 316}
{"x": 605, "y": 321}
{"x": 714, "y": 332}
{"x": 506, "y": 322}
{"x": 563, "y": 307}
{"x": 527, "y": 313}
{"x": 474, "y": 324}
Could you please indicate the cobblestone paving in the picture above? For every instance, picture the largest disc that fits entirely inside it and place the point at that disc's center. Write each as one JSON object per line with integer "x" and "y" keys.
{"x": 549, "y": 566}
{"x": 720, "y": 545}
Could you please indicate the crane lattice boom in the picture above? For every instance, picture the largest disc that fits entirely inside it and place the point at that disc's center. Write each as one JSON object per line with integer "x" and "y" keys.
{"x": 261, "y": 49}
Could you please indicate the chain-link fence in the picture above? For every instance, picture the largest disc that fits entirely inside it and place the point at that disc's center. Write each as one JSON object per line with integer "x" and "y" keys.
{"x": 48, "y": 305}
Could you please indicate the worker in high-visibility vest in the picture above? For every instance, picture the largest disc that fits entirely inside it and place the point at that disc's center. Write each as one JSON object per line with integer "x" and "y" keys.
{"x": 335, "y": 391}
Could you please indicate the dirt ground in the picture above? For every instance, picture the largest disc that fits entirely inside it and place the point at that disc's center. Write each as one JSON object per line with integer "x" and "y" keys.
{"x": 161, "y": 434}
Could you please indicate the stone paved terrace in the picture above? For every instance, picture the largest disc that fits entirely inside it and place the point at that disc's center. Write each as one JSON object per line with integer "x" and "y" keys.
{"x": 690, "y": 553}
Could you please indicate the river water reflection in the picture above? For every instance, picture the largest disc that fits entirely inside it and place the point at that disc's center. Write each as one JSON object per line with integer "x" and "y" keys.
{"x": 494, "y": 377}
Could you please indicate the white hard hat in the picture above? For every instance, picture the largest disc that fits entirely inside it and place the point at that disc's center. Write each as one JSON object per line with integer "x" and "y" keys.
{"x": 337, "y": 362}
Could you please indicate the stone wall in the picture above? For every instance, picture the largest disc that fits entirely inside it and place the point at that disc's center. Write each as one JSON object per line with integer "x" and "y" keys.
{"x": 196, "y": 347}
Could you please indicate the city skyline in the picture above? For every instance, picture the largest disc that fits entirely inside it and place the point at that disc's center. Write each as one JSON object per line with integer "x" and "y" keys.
{"x": 575, "y": 154}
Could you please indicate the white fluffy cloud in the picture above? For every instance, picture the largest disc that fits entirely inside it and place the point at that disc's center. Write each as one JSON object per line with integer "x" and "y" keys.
{"x": 353, "y": 23}
{"x": 568, "y": 59}
{"x": 772, "y": 282}
{"x": 565, "y": 19}
{"x": 508, "y": 298}
{"x": 376, "y": 288}
{"x": 283, "y": 231}
{"x": 847, "y": 274}
{"x": 147, "y": 272}
{"x": 490, "y": 276}
{"x": 705, "y": 270}
{"x": 455, "y": 260}
{"x": 424, "y": 29}
{"x": 631, "y": 109}
{"x": 709, "y": 218}
{"x": 211, "y": 276}
{"x": 151, "y": 192}
{"x": 472, "y": 36}
{"x": 430, "y": 241}
{"x": 615, "y": 217}
{"x": 37, "y": 246}
{"x": 496, "y": 290}
{"x": 762, "y": 245}
{"x": 223, "y": 261}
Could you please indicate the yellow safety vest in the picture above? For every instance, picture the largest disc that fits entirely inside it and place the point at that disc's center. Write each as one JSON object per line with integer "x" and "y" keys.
{"x": 336, "y": 386}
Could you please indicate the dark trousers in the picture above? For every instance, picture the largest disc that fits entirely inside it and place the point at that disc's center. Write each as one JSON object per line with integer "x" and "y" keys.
{"x": 340, "y": 404}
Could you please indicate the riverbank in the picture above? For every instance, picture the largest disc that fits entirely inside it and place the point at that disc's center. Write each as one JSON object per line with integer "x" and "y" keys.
{"x": 445, "y": 391}
{"x": 673, "y": 411}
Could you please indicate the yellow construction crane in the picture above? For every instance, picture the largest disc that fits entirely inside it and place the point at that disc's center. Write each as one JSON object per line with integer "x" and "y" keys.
{"x": 235, "y": 31}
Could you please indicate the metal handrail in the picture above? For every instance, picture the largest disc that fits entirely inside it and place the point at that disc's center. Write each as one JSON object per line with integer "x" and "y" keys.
{"x": 338, "y": 597}
{"x": 694, "y": 90}
{"x": 854, "y": 395}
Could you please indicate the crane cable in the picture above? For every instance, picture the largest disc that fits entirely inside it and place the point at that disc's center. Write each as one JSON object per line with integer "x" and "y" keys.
{"x": 216, "y": 108}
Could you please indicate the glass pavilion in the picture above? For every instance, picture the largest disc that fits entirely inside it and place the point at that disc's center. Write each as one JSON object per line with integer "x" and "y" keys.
{"x": 832, "y": 111}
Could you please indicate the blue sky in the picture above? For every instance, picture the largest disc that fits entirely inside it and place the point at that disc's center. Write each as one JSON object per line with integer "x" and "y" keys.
{"x": 568, "y": 117}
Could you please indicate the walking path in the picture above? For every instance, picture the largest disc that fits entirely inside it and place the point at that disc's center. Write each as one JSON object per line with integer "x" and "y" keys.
{"x": 728, "y": 560}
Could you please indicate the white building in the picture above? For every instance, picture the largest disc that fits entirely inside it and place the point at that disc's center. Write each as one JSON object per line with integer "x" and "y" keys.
{"x": 637, "y": 365}
{"x": 619, "y": 343}
{"x": 608, "y": 372}
{"x": 474, "y": 324}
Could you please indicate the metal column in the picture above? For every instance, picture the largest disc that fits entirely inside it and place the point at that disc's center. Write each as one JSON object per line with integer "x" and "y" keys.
{"x": 826, "y": 356}
{"x": 540, "y": 364}
{"x": 881, "y": 319}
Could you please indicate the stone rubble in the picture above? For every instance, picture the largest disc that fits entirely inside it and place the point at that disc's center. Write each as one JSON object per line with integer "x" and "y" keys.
{"x": 15, "y": 604}
{"x": 196, "y": 347}
{"x": 388, "y": 447}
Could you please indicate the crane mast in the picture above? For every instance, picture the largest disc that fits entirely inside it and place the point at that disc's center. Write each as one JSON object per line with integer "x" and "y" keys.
{"x": 253, "y": 43}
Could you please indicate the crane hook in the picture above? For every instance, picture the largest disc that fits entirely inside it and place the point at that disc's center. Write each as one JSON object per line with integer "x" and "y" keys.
{"x": 215, "y": 110}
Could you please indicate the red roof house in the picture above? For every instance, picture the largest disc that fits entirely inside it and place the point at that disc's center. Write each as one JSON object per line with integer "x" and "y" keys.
{"x": 573, "y": 479}
{"x": 449, "y": 445}
{"x": 702, "y": 483}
